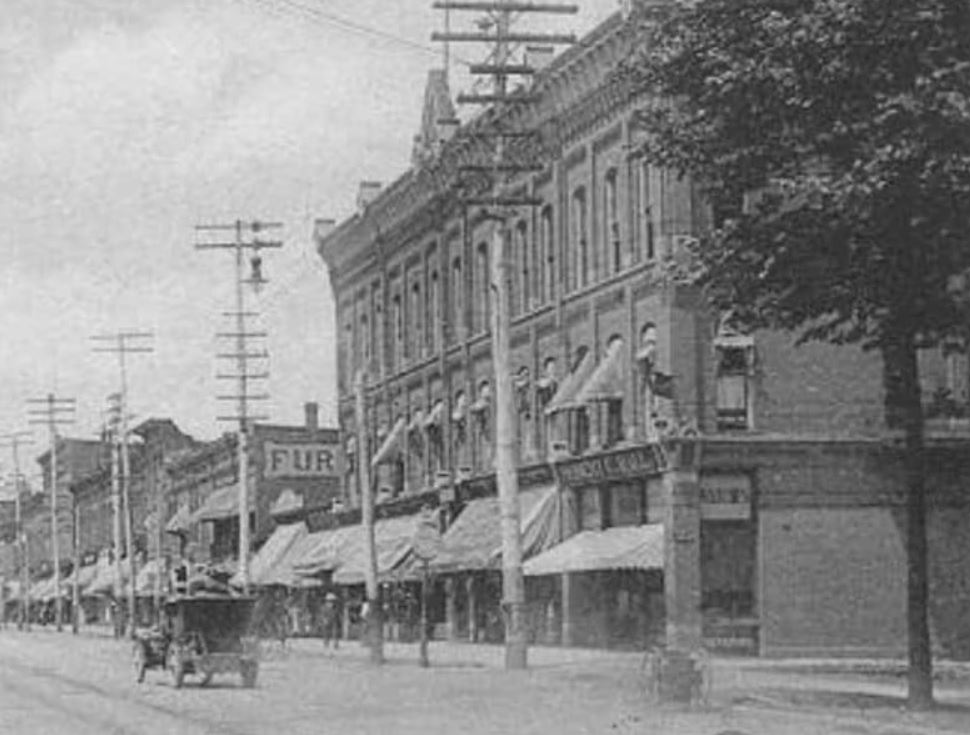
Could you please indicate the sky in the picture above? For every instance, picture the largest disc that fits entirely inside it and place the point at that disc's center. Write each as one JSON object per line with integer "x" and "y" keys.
{"x": 126, "y": 123}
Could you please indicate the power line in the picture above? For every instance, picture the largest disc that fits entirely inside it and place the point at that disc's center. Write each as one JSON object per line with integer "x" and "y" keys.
{"x": 326, "y": 17}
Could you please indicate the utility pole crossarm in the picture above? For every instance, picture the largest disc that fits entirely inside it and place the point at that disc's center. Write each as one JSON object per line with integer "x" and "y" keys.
{"x": 246, "y": 238}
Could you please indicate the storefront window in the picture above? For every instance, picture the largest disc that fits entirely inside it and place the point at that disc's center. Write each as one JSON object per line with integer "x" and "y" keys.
{"x": 727, "y": 568}
{"x": 590, "y": 510}
{"x": 628, "y": 505}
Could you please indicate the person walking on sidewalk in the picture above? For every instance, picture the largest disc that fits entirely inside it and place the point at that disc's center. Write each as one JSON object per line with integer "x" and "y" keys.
{"x": 330, "y": 621}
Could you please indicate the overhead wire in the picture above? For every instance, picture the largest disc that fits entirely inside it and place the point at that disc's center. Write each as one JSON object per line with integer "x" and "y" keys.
{"x": 326, "y": 17}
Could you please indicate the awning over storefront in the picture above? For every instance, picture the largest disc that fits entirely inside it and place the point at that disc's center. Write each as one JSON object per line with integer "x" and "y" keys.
{"x": 220, "y": 505}
{"x": 180, "y": 522}
{"x": 392, "y": 539}
{"x": 323, "y": 550}
{"x": 433, "y": 419}
{"x": 104, "y": 580}
{"x": 605, "y": 383}
{"x": 48, "y": 589}
{"x": 625, "y": 547}
{"x": 566, "y": 392}
{"x": 474, "y": 540}
{"x": 85, "y": 576}
{"x": 145, "y": 579}
{"x": 390, "y": 450}
{"x": 272, "y": 552}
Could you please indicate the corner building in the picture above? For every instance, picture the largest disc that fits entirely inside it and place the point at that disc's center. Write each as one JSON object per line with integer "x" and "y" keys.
{"x": 802, "y": 526}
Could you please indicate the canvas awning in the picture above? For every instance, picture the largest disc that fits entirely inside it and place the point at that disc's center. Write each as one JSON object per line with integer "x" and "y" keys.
{"x": 145, "y": 579}
{"x": 180, "y": 522}
{"x": 322, "y": 550}
{"x": 605, "y": 383}
{"x": 474, "y": 540}
{"x": 624, "y": 547}
{"x": 392, "y": 539}
{"x": 460, "y": 409}
{"x": 390, "y": 450}
{"x": 85, "y": 576}
{"x": 272, "y": 552}
{"x": 566, "y": 392}
{"x": 220, "y": 505}
{"x": 48, "y": 589}
{"x": 417, "y": 422}
{"x": 433, "y": 419}
{"x": 104, "y": 580}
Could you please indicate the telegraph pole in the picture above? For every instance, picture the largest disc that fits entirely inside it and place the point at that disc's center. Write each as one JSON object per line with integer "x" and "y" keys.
{"x": 374, "y": 622}
{"x": 126, "y": 343}
{"x": 56, "y": 412}
{"x": 500, "y": 66}
{"x": 243, "y": 355}
{"x": 14, "y": 441}
{"x": 114, "y": 420}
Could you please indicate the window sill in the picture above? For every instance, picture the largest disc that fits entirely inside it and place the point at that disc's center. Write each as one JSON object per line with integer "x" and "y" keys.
{"x": 613, "y": 279}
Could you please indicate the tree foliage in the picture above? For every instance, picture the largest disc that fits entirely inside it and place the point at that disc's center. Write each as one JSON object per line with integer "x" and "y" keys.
{"x": 845, "y": 126}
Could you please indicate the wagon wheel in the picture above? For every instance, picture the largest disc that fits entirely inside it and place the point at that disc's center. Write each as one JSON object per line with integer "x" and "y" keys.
{"x": 177, "y": 664}
{"x": 249, "y": 671}
{"x": 139, "y": 661}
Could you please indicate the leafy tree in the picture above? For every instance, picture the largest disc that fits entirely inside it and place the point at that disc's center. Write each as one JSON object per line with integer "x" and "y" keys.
{"x": 844, "y": 127}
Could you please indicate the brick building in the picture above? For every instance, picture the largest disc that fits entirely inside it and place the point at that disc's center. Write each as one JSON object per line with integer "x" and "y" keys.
{"x": 202, "y": 491}
{"x": 801, "y": 494}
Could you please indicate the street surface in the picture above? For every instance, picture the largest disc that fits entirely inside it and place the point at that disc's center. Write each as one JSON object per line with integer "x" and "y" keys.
{"x": 59, "y": 683}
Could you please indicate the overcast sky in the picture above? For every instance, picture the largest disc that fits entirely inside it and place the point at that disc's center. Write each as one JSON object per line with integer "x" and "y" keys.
{"x": 123, "y": 123}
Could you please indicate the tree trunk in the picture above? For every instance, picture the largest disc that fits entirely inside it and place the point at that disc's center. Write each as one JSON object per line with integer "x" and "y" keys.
{"x": 903, "y": 371}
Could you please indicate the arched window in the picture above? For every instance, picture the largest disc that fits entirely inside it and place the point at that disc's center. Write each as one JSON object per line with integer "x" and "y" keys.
{"x": 611, "y": 223}
{"x": 365, "y": 343}
{"x": 434, "y": 311}
{"x": 379, "y": 347}
{"x": 416, "y": 310}
{"x": 523, "y": 253}
{"x": 580, "y": 238}
{"x": 483, "y": 290}
{"x": 547, "y": 285}
{"x": 457, "y": 299}
{"x": 398, "y": 316}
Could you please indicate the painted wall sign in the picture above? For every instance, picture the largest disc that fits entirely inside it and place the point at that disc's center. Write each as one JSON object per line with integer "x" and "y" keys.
{"x": 726, "y": 498}
{"x": 300, "y": 460}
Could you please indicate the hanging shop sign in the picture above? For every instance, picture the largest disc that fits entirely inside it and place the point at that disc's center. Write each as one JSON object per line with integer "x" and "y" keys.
{"x": 300, "y": 460}
{"x": 726, "y": 498}
{"x": 638, "y": 461}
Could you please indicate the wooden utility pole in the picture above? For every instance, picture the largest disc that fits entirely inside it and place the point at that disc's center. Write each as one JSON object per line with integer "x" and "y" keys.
{"x": 374, "y": 623}
{"x": 14, "y": 441}
{"x": 56, "y": 412}
{"x": 242, "y": 356}
{"x": 500, "y": 67}
{"x": 126, "y": 343}
{"x": 116, "y": 507}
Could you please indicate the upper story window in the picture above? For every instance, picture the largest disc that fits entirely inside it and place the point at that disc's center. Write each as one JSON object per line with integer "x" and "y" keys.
{"x": 457, "y": 299}
{"x": 379, "y": 347}
{"x": 365, "y": 342}
{"x": 417, "y": 308}
{"x": 348, "y": 354}
{"x": 611, "y": 222}
{"x": 434, "y": 311}
{"x": 734, "y": 378}
{"x": 523, "y": 254}
{"x": 580, "y": 238}
{"x": 483, "y": 294}
{"x": 644, "y": 232}
{"x": 547, "y": 281}
{"x": 397, "y": 314}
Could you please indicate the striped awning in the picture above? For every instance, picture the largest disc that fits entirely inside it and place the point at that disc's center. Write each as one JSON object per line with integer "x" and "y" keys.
{"x": 220, "y": 505}
{"x": 566, "y": 392}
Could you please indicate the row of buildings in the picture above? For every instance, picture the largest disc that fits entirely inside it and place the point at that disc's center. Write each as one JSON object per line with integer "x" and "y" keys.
{"x": 800, "y": 514}
{"x": 798, "y": 525}
{"x": 183, "y": 496}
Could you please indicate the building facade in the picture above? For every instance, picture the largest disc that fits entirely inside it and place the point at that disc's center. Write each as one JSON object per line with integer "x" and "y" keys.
{"x": 201, "y": 506}
{"x": 802, "y": 532}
